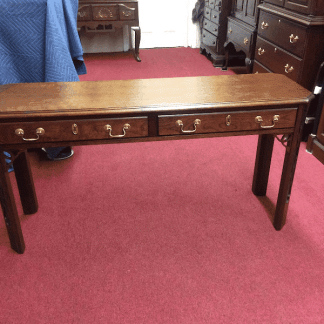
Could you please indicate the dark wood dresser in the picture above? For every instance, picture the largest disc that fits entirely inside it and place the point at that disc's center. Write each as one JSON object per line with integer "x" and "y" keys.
{"x": 214, "y": 30}
{"x": 106, "y": 15}
{"x": 290, "y": 39}
{"x": 241, "y": 31}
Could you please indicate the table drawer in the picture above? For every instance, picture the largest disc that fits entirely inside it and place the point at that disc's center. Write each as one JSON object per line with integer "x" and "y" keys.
{"x": 227, "y": 122}
{"x": 211, "y": 27}
{"x": 283, "y": 32}
{"x": 105, "y": 12}
{"x": 73, "y": 130}
{"x": 84, "y": 13}
{"x": 277, "y": 60}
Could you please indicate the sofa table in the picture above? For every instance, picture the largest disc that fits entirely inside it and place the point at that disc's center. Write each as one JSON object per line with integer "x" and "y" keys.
{"x": 34, "y": 115}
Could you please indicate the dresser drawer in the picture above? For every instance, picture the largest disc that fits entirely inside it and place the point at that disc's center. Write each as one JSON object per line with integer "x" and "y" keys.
{"x": 214, "y": 17}
{"x": 207, "y": 13}
{"x": 211, "y": 27}
{"x": 283, "y": 32}
{"x": 105, "y": 12}
{"x": 226, "y": 122}
{"x": 239, "y": 35}
{"x": 208, "y": 38}
{"x": 259, "y": 68}
{"x": 277, "y": 60}
{"x": 73, "y": 130}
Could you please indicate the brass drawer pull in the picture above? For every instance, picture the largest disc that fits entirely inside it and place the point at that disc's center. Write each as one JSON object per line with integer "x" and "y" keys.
{"x": 196, "y": 122}
{"x": 293, "y": 39}
{"x": 228, "y": 120}
{"x": 288, "y": 69}
{"x": 230, "y": 31}
{"x": 39, "y": 131}
{"x": 259, "y": 120}
{"x": 108, "y": 128}
{"x": 264, "y": 25}
{"x": 246, "y": 41}
{"x": 260, "y": 51}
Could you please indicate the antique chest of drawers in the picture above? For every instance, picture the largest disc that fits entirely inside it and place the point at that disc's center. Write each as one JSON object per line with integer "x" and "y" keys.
{"x": 106, "y": 15}
{"x": 241, "y": 31}
{"x": 214, "y": 30}
{"x": 290, "y": 42}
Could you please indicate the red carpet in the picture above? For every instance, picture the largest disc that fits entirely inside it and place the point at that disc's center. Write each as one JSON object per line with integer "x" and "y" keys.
{"x": 166, "y": 232}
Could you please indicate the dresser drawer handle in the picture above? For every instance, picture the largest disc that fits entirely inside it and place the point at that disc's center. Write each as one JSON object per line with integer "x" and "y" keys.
{"x": 39, "y": 131}
{"x": 261, "y": 51}
{"x": 108, "y": 128}
{"x": 180, "y": 124}
{"x": 246, "y": 41}
{"x": 259, "y": 120}
{"x": 293, "y": 39}
{"x": 288, "y": 69}
{"x": 230, "y": 31}
{"x": 264, "y": 25}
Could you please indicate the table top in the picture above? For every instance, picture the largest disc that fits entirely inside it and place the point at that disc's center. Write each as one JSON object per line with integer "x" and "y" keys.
{"x": 57, "y": 99}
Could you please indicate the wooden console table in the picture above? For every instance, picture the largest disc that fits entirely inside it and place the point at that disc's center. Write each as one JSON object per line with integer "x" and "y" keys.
{"x": 106, "y": 15}
{"x": 101, "y": 112}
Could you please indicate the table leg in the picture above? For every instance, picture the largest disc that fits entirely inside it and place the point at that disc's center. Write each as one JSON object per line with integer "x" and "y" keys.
{"x": 262, "y": 164}
{"x": 9, "y": 209}
{"x": 137, "y": 31}
{"x": 25, "y": 183}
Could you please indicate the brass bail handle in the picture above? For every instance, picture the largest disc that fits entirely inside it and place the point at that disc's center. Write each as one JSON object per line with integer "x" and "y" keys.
{"x": 39, "y": 131}
{"x": 259, "y": 120}
{"x": 108, "y": 128}
{"x": 196, "y": 123}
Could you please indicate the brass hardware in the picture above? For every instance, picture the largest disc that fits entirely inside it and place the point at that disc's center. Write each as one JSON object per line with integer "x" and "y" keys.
{"x": 293, "y": 39}
{"x": 275, "y": 50}
{"x": 105, "y": 13}
{"x": 230, "y": 31}
{"x": 127, "y": 14}
{"x": 75, "y": 129}
{"x": 288, "y": 69}
{"x": 260, "y": 51}
{"x": 228, "y": 120}
{"x": 246, "y": 41}
{"x": 39, "y": 131}
{"x": 258, "y": 119}
{"x": 257, "y": 72}
{"x": 108, "y": 128}
{"x": 264, "y": 25}
{"x": 196, "y": 122}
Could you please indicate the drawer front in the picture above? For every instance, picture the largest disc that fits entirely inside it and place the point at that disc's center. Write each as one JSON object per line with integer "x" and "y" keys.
{"x": 105, "y": 12}
{"x": 127, "y": 12}
{"x": 259, "y": 68}
{"x": 239, "y": 36}
{"x": 214, "y": 17}
{"x": 226, "y": 122}
{"x": 74, "y": 130}
{"x": 211, "y": 27}
{"x": 208, "y": 38}
{"x": 84, "y": 13}
{"x": 283, "y": 32}
{"x": 207, "y": 13}
{"x": 277, "y": 60}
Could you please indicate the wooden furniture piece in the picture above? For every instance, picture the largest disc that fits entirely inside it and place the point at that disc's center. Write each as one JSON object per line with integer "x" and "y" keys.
{"x": 290, "y": 39}
{"x": 103, "y": 112}
{"x": 315, "y": 143}
{"x": 106, "y": 15}
{"x": 214, "y": 30}
{"x": 241, "y": 31}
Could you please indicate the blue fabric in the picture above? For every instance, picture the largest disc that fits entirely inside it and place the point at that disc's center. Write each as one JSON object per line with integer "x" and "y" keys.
{"x": 39, "y": 41}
